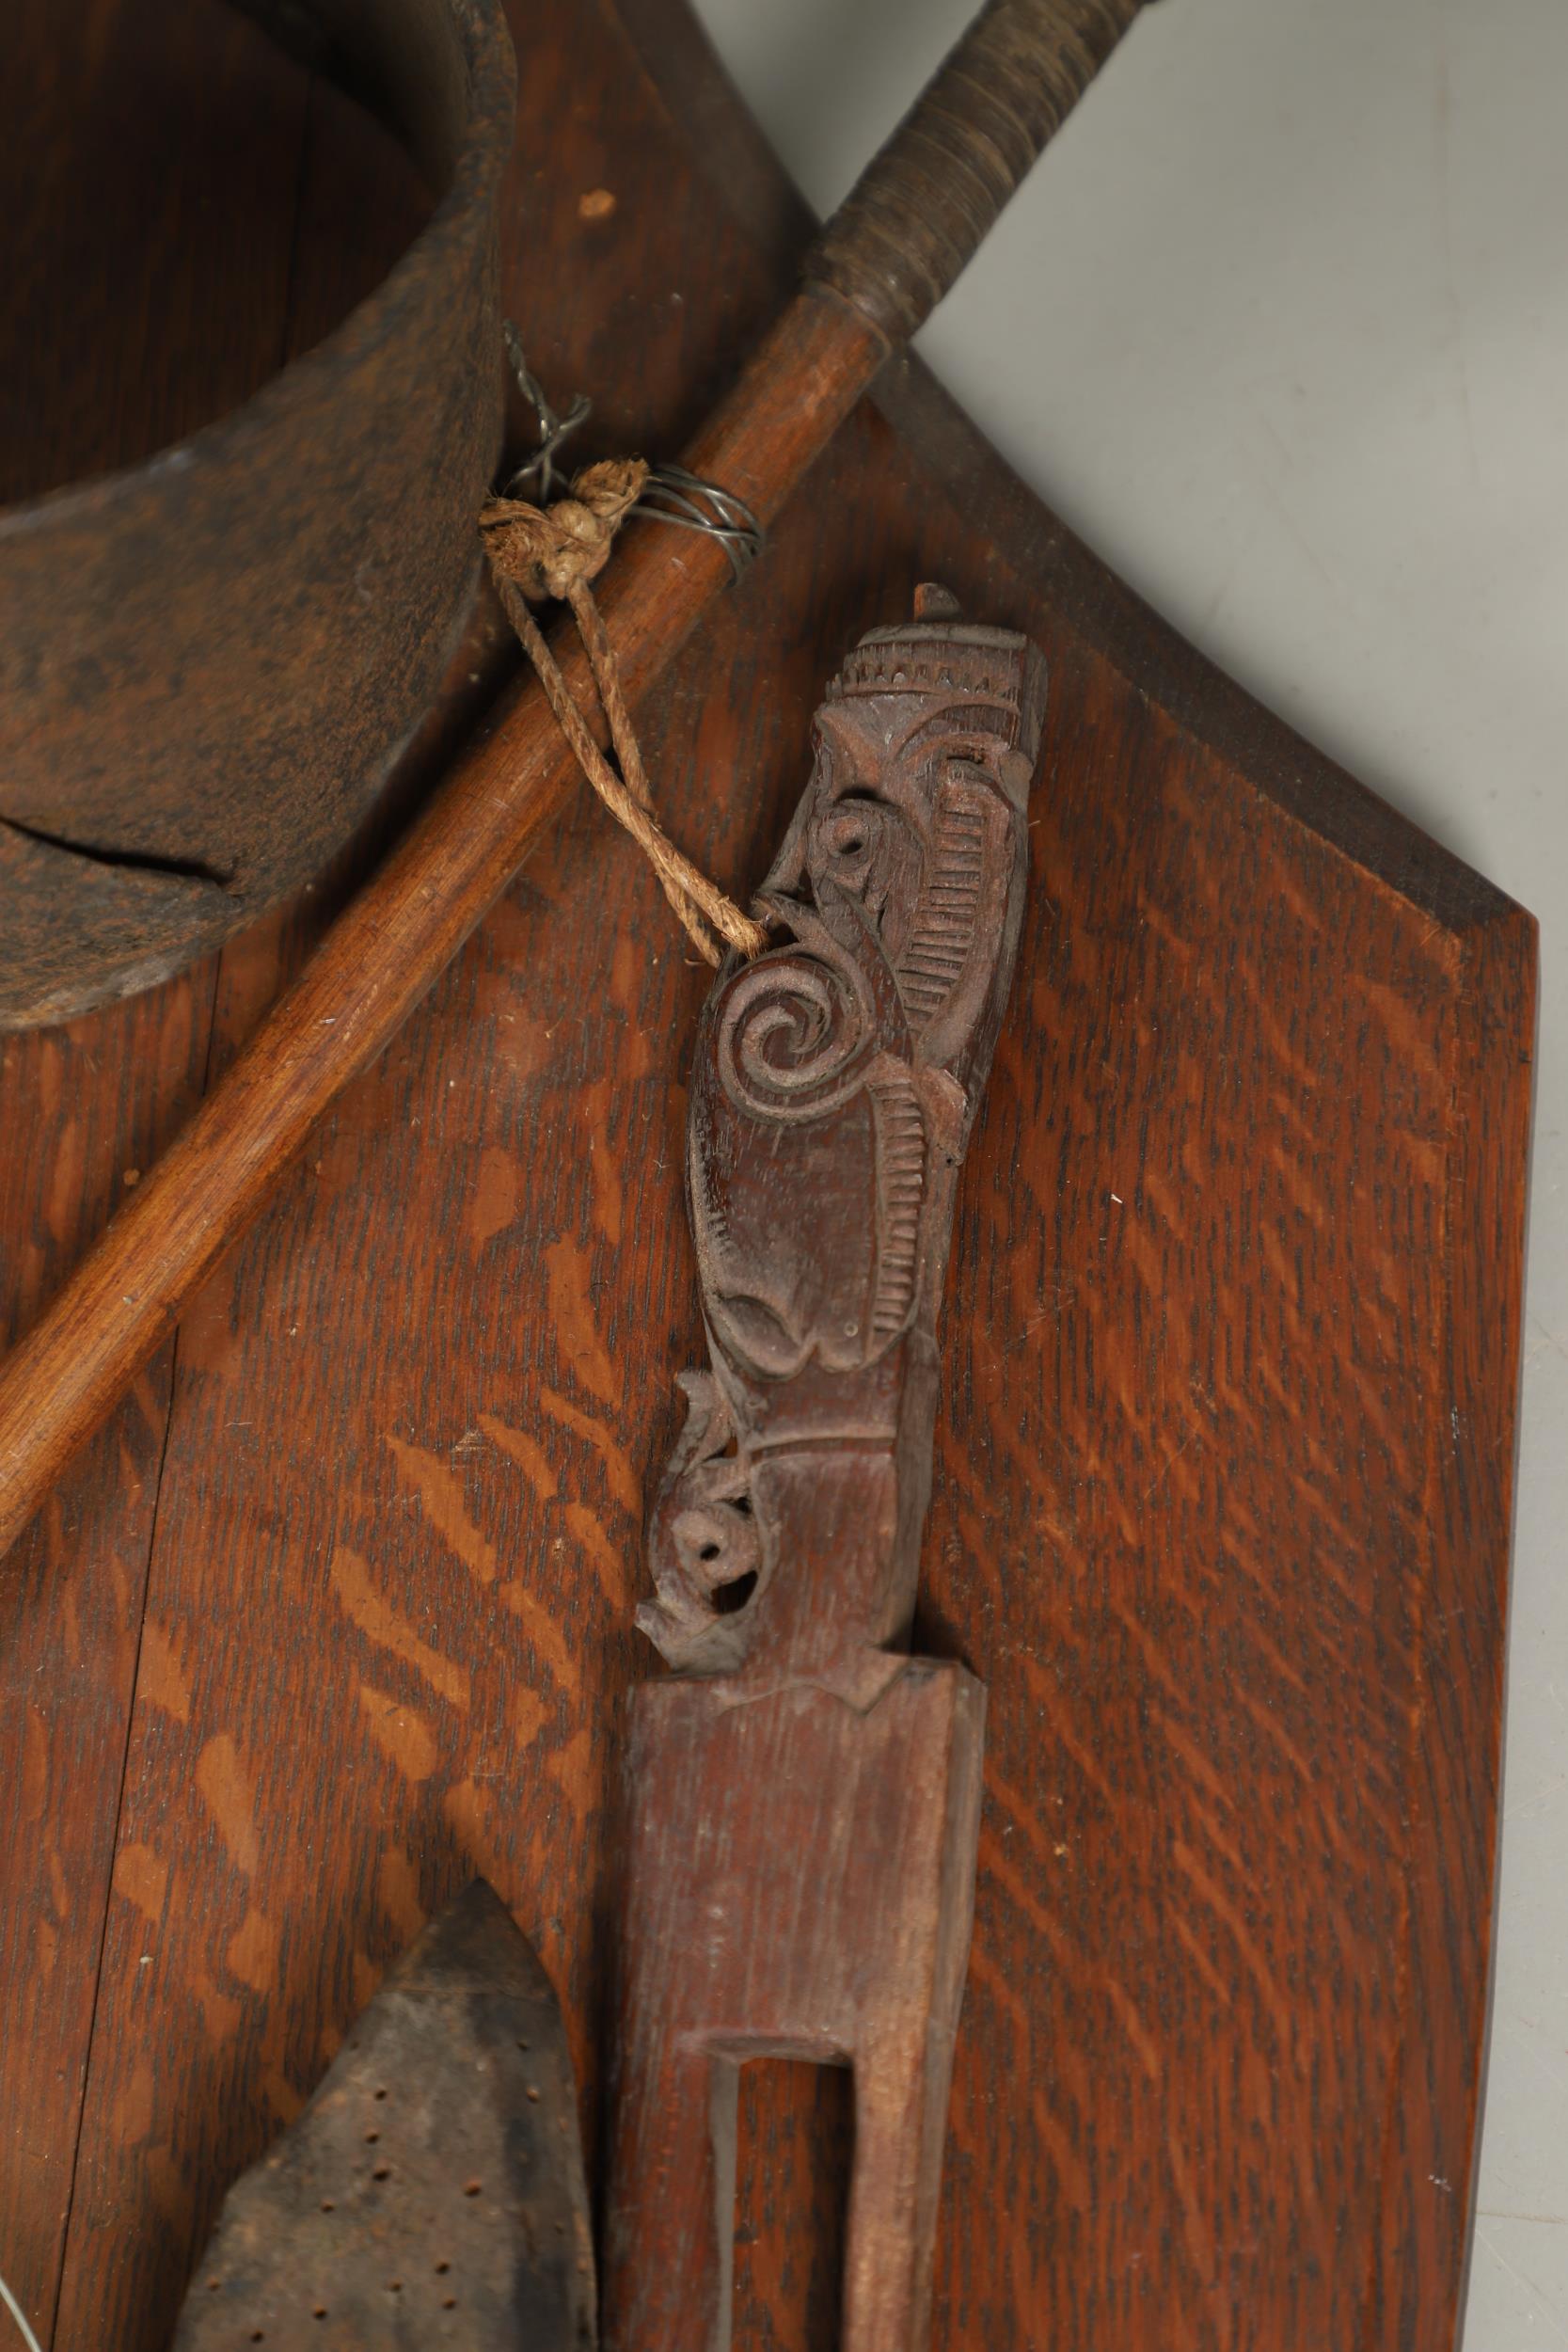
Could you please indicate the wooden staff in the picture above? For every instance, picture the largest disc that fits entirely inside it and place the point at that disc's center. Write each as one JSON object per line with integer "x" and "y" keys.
{"x": 884, "y": 261}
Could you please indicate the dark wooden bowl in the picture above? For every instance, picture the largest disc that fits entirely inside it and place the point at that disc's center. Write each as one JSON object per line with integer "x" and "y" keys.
{"x": 208, "y": 657}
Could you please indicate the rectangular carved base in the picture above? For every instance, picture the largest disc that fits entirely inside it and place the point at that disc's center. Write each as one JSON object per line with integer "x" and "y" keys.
{"x": 801, "y": 1885}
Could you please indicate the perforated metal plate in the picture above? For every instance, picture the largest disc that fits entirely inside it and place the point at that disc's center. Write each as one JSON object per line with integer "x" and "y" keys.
{"x": 431, "y": 2192}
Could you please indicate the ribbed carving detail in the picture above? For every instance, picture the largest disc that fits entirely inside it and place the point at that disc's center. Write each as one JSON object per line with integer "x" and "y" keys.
{"x": 900, "y": 1188}
{"x": 949, "y": 908}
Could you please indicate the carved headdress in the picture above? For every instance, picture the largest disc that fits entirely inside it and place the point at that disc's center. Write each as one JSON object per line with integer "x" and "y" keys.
{"x": 954, "y": 663}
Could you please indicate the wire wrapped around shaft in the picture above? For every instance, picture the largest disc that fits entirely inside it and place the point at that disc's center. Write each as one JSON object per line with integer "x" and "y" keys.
{"x": 918, "y": 212}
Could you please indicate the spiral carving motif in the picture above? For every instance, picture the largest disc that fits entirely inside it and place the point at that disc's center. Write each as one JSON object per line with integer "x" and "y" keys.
{"x": 797, "y": 1030}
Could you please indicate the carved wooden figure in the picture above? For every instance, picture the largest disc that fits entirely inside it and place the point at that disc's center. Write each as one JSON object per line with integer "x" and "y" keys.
{"x": 804, "y": 1795}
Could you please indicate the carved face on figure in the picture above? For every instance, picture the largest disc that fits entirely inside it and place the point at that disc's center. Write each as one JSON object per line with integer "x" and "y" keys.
{"x": 837, "y": 1073}
{"x": 923, "y": 728}
{"x": 833, "y": 1090}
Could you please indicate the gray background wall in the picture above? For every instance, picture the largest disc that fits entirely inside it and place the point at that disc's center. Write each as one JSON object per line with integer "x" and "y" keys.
{"x": 1280, "y": 325}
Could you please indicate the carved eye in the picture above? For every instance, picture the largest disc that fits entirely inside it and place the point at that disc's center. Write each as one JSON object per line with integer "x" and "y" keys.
{"x": 853, "y": 829}
{"x": 848, "y": 836}
{"x": 860, "y": 846}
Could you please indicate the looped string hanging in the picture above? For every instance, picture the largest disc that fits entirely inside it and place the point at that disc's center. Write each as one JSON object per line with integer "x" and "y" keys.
{"x": 554, "y": 549}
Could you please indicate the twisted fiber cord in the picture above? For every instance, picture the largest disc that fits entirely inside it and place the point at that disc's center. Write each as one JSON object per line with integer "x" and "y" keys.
{"x": 538, "y": 552}
{"x": 667, "y": 860}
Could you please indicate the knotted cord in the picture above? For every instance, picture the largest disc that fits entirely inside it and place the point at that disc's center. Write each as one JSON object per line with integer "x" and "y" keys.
{"x": 553, "y": 550}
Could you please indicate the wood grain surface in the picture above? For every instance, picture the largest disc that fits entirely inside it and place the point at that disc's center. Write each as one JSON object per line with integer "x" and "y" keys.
{"x": 336, "y": 1611}
{"x": 184, "y": 212}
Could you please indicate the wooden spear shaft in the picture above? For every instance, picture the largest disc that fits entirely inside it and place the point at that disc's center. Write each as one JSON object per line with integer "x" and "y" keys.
{"x": 888, "y": 256}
